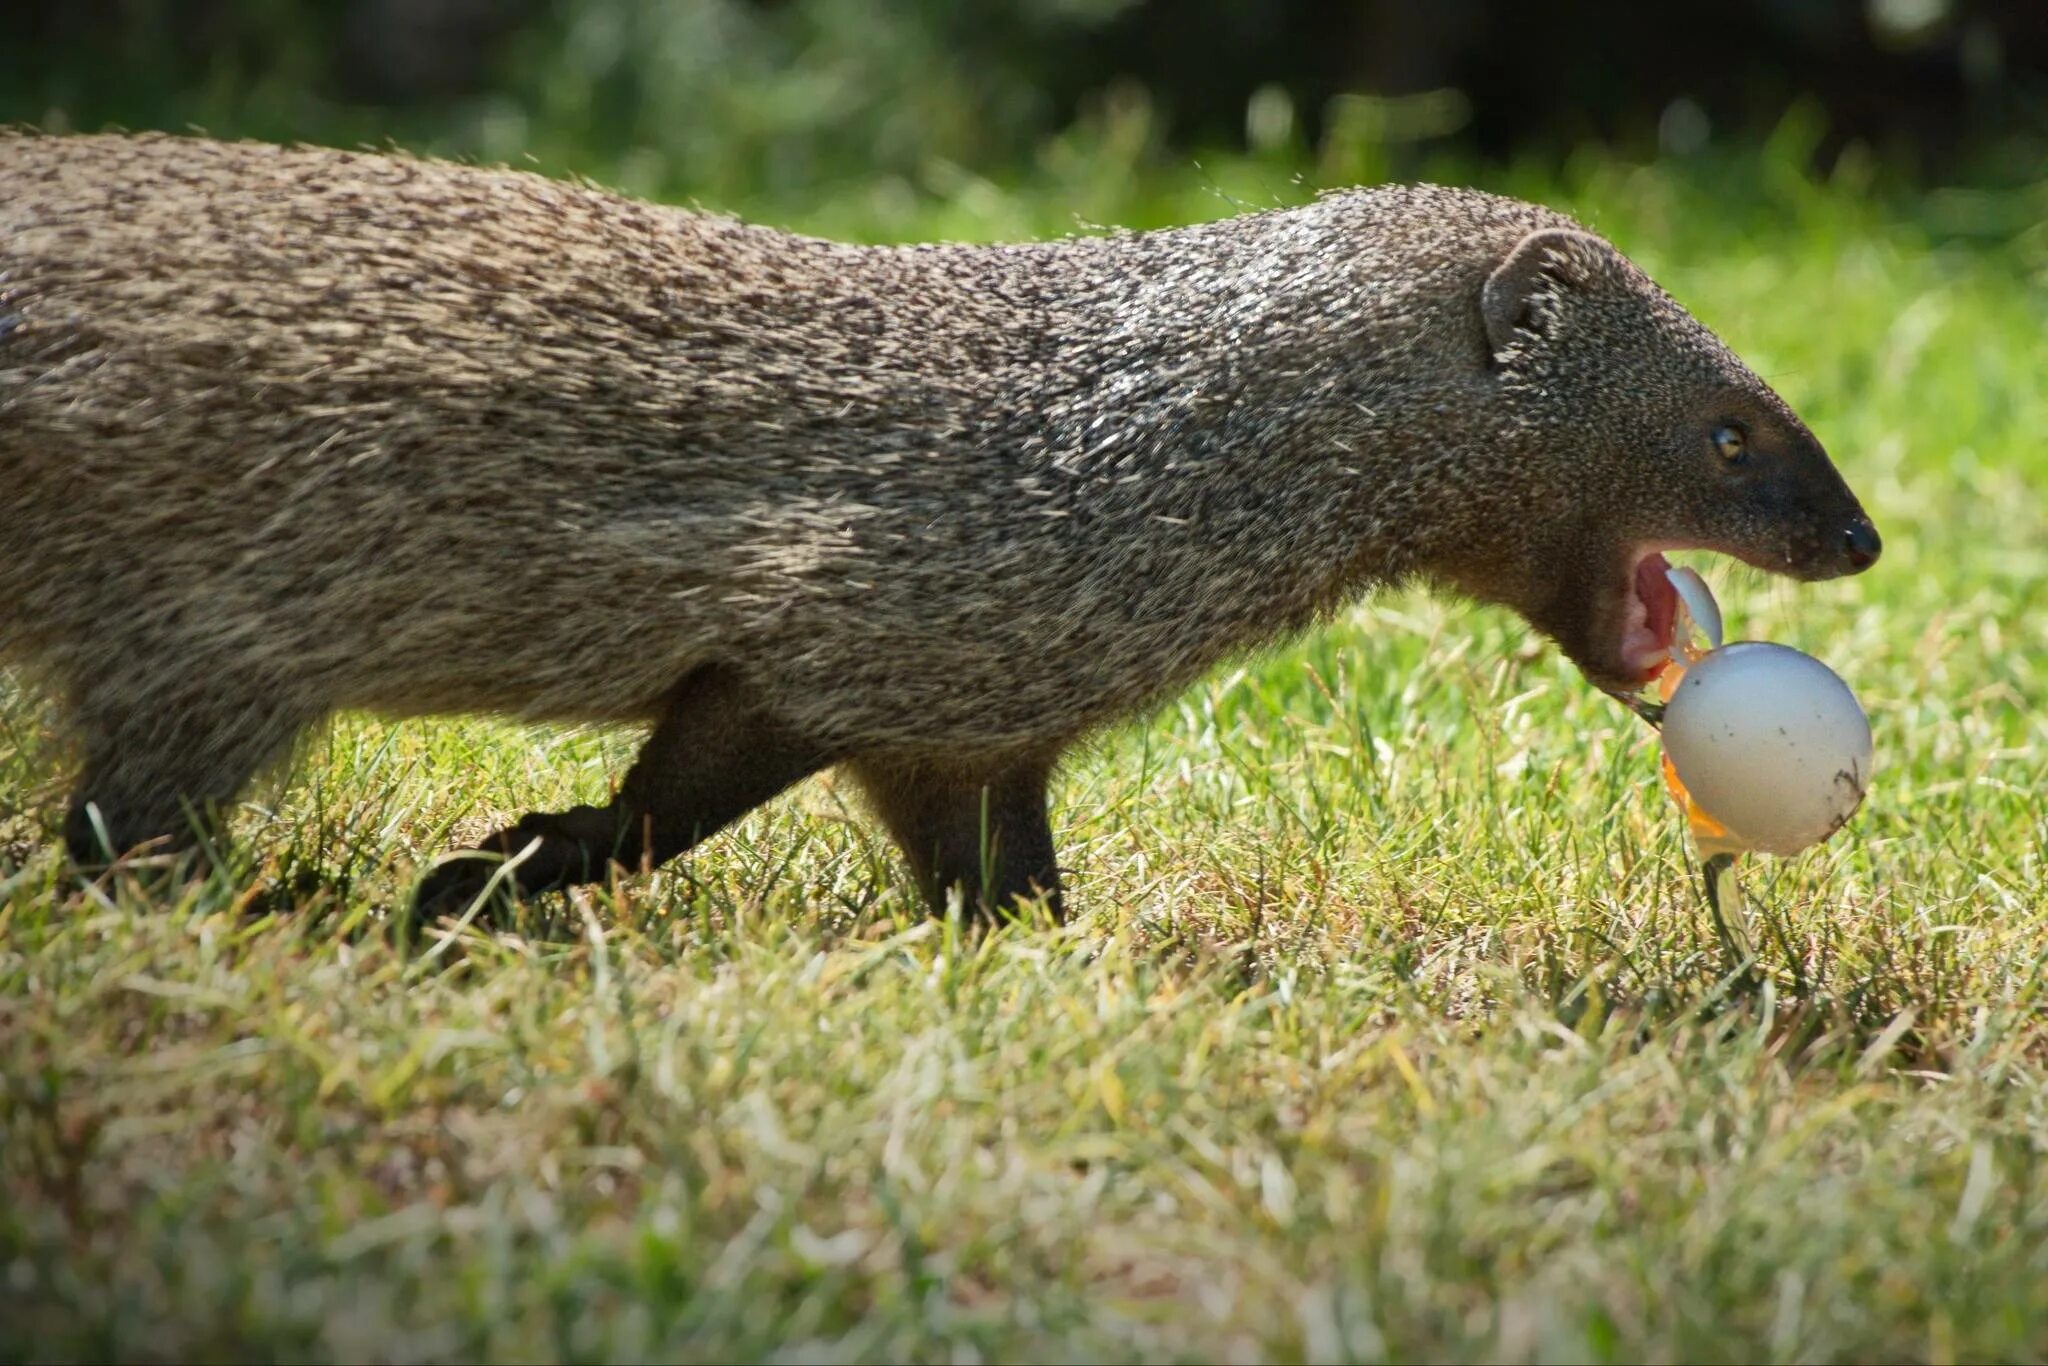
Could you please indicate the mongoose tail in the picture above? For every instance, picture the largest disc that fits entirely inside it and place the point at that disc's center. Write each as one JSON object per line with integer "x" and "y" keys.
{"x": 290, "y": 430}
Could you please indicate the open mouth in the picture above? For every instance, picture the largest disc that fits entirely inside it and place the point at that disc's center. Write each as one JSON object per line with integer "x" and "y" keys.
{"x": 1650, "y": 618}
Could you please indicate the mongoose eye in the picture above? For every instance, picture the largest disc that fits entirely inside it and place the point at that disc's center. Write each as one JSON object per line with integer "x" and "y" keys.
{"x": 1731, "y": 442}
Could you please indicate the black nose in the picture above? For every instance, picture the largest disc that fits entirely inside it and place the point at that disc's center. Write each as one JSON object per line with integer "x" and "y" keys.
{"x": 1861, "y": 544}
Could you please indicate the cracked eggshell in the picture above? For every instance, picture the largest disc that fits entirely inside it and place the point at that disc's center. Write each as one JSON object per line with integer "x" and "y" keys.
{"x": 1700, "y": 607}
{"x": 1770, "y": 743}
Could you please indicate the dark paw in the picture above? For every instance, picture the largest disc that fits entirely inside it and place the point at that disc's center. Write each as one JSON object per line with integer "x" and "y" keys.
{"x": 453, "y": 886}
{"x": 87, "y": 841}
{"x": 536, "y": 855}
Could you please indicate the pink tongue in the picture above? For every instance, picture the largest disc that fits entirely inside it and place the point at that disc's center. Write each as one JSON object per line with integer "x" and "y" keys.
{"x": 1660, "y": 601}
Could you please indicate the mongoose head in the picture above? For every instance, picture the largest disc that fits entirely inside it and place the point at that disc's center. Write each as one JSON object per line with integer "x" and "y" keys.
{"x": 1660, "y": 439}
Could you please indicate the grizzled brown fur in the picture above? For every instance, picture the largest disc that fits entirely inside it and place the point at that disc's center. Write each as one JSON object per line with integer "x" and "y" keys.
{"x": 290, "y": 430}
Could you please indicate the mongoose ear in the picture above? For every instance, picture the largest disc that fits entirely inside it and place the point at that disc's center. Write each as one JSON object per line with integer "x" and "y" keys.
{"x": 1522, "y": 293}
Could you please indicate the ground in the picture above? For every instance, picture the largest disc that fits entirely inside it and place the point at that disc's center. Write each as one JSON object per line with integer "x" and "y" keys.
{"x": 1390, "y": 1024}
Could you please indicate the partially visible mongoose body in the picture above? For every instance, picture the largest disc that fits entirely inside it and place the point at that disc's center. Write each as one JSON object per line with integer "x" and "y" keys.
{"x": 290, "y": 430}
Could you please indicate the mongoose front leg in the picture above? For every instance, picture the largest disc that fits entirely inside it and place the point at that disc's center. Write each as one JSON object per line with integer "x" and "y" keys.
{"x": 984, "y": 833}
{"x": 162, "y": 765}
{"x": 713, "y": 756}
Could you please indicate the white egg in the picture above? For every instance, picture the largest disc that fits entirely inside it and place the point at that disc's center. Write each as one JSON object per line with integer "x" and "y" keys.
{"x": 1770, "y": 743}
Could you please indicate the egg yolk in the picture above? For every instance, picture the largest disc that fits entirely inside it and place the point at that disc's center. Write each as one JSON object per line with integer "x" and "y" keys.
{"x": 1711, "y": 836}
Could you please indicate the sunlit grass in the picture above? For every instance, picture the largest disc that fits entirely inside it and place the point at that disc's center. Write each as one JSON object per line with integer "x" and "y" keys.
{"x": 1390, "y": 1024}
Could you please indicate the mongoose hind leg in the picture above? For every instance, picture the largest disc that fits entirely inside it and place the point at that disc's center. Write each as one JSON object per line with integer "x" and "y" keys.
{"x": 983, "y": 832}
{"x": 713, "y": 756}
{"x": 161, "y": 767}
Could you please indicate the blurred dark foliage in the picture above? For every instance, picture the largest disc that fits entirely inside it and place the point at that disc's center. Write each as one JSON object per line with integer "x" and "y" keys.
{"x": 1915, "y": 76}
{"x": 806, "y": 85}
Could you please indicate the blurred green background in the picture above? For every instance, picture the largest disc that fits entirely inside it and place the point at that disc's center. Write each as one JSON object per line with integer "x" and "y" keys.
{"x": 870, "y": 116}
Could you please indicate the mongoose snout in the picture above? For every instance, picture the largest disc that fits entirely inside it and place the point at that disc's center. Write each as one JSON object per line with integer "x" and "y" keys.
{"x": 290, "y": 430}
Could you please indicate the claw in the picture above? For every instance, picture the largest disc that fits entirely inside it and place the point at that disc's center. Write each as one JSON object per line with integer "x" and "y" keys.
{"x": 1651, "y": 712}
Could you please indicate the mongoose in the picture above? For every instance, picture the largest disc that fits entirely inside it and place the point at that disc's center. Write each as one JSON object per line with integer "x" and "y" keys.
{"x": 290, "y": 430}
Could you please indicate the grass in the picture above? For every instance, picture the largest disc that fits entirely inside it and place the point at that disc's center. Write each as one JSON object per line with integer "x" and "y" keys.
{"x": 1390, "y": 1025}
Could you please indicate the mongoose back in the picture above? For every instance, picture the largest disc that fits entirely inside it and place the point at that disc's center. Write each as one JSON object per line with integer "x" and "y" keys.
{"x": 290, "y": 430}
